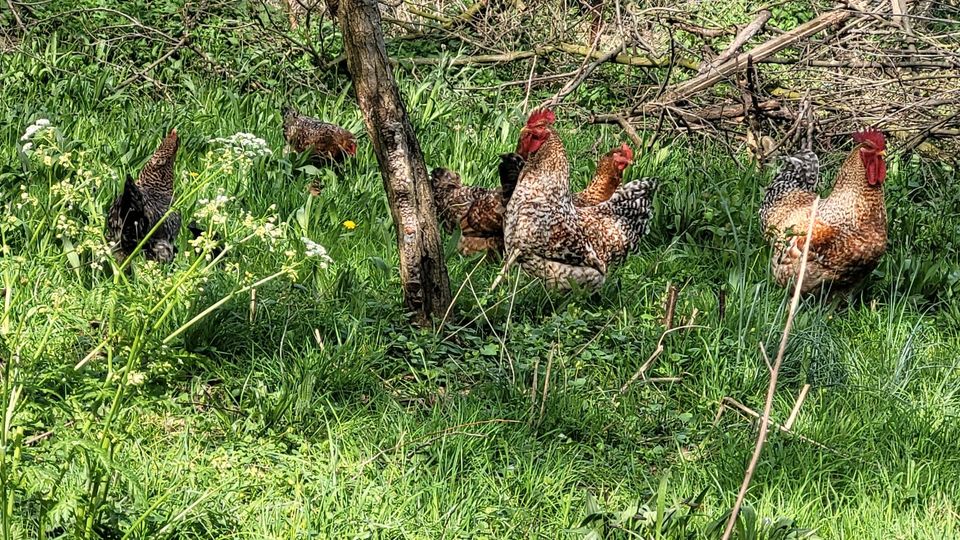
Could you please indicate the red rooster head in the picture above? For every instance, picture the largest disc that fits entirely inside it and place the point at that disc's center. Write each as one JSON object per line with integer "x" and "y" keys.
{"x": 873, "y": 148}
{"x": 536, "y": 132}
{"x": 623, "y": 157}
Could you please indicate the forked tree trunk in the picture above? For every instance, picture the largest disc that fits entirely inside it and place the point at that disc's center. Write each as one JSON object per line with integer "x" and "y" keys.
{"x": 426, "y": 287}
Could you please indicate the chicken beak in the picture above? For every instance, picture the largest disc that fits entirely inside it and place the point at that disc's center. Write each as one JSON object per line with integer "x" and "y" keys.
{"x": 882, "y": 153}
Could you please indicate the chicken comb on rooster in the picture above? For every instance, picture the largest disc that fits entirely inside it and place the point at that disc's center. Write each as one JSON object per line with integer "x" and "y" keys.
{"x": 541, "y": 117}
{"x": 871, "y": 136}
{"x": 626, "y": 151}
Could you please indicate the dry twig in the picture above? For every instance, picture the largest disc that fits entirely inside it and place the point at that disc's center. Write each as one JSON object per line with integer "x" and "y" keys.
{"x": 656, "y": 353}
{"x": 772, "y": 387}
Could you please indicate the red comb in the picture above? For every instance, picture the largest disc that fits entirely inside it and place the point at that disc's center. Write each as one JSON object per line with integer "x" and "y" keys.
{"x": 626, "y": 151}
{"x": 541, "y": 117}
{"x": 872, "y": 136}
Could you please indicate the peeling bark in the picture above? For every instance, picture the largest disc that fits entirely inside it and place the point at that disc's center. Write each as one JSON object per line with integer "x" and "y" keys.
{"x": 423, "y": 272}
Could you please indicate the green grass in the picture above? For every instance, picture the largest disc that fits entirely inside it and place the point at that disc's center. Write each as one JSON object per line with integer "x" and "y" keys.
{"x": 319, "y": 412}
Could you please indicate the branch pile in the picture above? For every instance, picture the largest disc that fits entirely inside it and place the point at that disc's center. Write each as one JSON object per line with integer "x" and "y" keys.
{"x": 880, "y": 63}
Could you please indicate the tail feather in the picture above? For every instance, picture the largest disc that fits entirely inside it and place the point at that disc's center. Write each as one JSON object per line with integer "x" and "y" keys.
{"x": 126, "y": 219}
{"x": 633, "y": 203}
{"x": 510, "y": 166}
{"x": 800, "y": 172}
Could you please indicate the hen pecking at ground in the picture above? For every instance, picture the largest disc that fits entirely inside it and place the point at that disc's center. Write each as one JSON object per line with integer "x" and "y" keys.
{"x": 142, "y": 204}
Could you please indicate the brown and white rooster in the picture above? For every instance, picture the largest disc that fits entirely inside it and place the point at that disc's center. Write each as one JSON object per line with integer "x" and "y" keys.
{"x": 550, "y": 237}
{"x": 142, "y": 204}
{"x": 477, "y": 211}
{"x": 850, "y": 230}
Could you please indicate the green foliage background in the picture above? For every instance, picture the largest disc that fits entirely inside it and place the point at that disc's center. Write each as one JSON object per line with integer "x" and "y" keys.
{"x": 310, "y": 408}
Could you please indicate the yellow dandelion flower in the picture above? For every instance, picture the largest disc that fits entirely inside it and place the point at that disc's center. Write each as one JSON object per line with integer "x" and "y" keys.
{"x": 194, "y": 174}
{"x": 349, "y": 225}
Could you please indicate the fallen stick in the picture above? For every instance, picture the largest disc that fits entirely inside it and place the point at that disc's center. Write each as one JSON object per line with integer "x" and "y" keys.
{"x": 581, "y": 76}
{"x": 741, "y": 39}
{"x": 698, "y": 30}
{"x": 653, "y": 356}
{"x": 796, "y": 407}
{"x": 760, "y": 52}
{"x": 569, "y": 48}
{"x": 183, "y": 41}
{"x": 729, "y": 402}
{"x": 16, "y": 16}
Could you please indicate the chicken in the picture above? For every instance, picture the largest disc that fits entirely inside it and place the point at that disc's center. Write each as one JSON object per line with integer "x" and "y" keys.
{"x": 477, "y": 211}
{"x": 607, "y": 177}
{"x": 327, "y": 144}
{"x": 549, "y": 236}
{"x": 142, "y": 204}
{"x": 850, "y": 231}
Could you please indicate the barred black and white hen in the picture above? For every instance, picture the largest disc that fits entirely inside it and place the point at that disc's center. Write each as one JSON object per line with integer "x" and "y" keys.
{"x": 142, "y": 204}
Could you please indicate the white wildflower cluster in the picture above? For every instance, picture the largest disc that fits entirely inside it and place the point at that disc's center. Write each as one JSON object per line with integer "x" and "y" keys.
{"x": 9, "y": 221}
{"x": 241, "y": 147}
{"x": 66, "y": 226}
{"x": 213, "y": 209}
{"x": 205, "y": 243}
{"x": 266, "y": 229}
{"x": 75, "y": 188}
{"x": 37, "y": 128}
{"x": 313, "y": 249}
{"x": 100, "y": 252}
{"x": 26, "y": 199}
{"x": 136, "y": 378}
{"x": 247, "y": 144}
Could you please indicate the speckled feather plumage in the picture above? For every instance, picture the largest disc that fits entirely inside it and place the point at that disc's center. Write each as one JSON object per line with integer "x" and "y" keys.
{"x": 850, "y": 231}
{"x": 143, "y": 203}
{"x": 477, "y": 211}
{"x": 327, "y": 143}
{"x": 559, "y": 243}
{"x": 799, "y": 173}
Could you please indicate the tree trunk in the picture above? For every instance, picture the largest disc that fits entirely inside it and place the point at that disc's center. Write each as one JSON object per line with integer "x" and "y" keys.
{"x": 426, "y": 287}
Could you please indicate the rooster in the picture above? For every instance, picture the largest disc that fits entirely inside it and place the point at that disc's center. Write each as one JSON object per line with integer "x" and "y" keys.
{"x": 477, "y": 211}
{"x": 607, "y": 177}
{"x": 850, "y": 231}
{"x": 142, "y": 204}
{"x": 553, "y": 239}
{"x": 327, "y": 144}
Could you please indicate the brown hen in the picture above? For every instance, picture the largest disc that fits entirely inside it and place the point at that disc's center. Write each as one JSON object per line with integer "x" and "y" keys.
{"x": 327, "y": 144}
{"x": 142, "y": 204}
{"x": 850, "y": 230}
{"x": 477, "y": 211}
{"x": 607, "y": 177}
